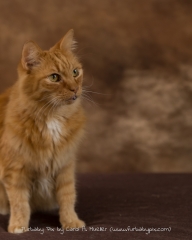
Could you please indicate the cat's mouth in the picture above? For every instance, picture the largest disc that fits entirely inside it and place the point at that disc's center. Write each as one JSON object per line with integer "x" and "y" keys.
{"x": 72, "y": 99}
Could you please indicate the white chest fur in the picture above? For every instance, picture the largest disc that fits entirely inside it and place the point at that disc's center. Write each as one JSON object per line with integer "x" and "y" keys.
{"x": 54, "y": 128}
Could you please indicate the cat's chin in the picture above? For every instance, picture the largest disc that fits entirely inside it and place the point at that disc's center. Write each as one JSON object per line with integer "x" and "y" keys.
{"x": 71, "y": 100}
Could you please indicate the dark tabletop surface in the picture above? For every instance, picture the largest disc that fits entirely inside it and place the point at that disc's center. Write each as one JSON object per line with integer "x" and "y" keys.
{"x": 123, "y": 206}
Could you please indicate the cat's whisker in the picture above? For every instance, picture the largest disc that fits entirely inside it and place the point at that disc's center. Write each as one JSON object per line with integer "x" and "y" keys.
{"x": 45, "y": 106}
{"x": 47, "y": 103}
{"x": 38, "y": 114}
{"x": 89, "y": 99}
{"x": 84, "y": 90}
{"x": 46, "y": 97}
{"x": 50, "y": 103}
{"x": 87, "y": 95}
{"x": 55, "y": 104}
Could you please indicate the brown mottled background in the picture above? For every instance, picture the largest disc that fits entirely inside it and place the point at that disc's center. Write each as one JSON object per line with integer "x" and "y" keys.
{"x": 138, "y": 55}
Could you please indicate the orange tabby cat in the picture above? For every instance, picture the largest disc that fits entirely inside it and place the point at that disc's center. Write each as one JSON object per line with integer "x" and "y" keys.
{"x": 41, "y": 123}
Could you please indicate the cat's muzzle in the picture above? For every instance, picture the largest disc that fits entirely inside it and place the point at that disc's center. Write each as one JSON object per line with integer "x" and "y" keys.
{"x": 74, "y": 97}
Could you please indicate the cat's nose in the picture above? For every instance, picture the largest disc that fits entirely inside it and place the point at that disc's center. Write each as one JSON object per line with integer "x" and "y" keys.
{"x": 74, "y": 89}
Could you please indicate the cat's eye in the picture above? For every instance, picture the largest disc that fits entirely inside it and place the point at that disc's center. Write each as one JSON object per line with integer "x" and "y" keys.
{"x": 75, "y": 72}
{"x": 54, "y": 77}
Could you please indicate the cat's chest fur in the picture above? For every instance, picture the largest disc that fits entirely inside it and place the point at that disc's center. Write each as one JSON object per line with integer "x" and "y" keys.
{"x": 45, "y": 146}
{"x": 55, "y": 129}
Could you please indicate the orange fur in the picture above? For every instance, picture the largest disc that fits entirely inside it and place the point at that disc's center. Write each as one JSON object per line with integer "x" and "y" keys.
{"x": 41, "y": 123}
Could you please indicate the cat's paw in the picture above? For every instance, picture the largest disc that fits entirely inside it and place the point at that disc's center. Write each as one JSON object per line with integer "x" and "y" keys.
{"x": 75, "y": 223}
{"x": 17, "y": 229}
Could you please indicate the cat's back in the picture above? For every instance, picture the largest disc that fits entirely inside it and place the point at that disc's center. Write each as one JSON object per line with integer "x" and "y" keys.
{"x": 4, "y": 99}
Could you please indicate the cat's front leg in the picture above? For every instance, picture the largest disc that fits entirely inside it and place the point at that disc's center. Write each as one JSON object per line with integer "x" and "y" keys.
{"x": 16, "y": 185}
{"x": 66, "y": 195}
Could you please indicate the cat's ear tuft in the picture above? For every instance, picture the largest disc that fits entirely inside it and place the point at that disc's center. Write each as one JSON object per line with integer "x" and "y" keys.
{"x": 30, "y": 55}
{"x": 67, "y": 43}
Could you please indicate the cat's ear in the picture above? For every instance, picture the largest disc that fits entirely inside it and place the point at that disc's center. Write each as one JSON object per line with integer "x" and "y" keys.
{"x": 67, "y": 43}
{"x": 30, "y": 55}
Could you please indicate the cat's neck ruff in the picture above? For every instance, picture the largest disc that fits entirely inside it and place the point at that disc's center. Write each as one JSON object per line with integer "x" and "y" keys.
{"x": 64, "y": 111}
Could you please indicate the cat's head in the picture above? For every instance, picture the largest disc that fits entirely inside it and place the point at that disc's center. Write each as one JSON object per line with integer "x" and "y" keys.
{"x": 55, "y": 75}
